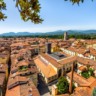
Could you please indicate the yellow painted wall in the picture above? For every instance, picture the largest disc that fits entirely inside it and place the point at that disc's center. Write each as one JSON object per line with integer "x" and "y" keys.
{"x": 55, "y": 49}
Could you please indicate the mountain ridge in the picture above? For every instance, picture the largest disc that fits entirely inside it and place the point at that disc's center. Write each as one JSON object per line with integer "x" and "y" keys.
{"x": 58, "y": 32}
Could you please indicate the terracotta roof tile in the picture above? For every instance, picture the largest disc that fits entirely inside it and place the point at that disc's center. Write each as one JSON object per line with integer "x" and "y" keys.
{"x": 47, "y": 70}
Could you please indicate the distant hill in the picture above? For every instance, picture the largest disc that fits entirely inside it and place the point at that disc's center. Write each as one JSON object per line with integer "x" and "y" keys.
{"x": 59, "y": 32}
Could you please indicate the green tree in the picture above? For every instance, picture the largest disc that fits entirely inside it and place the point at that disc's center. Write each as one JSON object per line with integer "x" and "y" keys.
{"x": 2, "y": 7}
{"x": 62, "y": 85}
{"x": 29, "y": 9}
{"x": 94, "y": 92}
{"x": 87, "y": 73}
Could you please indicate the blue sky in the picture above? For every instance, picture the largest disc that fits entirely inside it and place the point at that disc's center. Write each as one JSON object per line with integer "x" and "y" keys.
{"x": 57, "y": 15}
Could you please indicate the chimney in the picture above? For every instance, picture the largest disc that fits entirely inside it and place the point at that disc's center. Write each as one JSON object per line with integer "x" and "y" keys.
{"x": 48, "y": 48}
{"x": 54, "y": 90}
{"x": 71, "y": 79}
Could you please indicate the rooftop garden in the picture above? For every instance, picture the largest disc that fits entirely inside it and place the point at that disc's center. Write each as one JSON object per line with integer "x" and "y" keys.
{"x": 87, "y": 73}
{"x": 23, "y": 68}
{"x": 20, "y": 58}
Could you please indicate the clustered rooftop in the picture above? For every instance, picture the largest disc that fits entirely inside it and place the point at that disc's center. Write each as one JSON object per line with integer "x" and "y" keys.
{"x": 22, "y": 59}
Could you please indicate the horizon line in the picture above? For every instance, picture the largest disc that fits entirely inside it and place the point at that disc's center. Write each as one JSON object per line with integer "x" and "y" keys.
{"x": 47, "y": 31}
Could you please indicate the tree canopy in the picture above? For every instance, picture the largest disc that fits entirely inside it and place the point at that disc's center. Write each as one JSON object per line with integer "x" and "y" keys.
{"x": 62, "y": 85}
{"x": 29, "y": 9}
{"x": 94, "y": 92}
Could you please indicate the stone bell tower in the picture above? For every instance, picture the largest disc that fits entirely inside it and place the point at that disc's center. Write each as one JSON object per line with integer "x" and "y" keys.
{"x": 65, "y": 36}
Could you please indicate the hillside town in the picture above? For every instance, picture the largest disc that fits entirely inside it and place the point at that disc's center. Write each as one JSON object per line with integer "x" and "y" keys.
{"x": 33, "y": 66}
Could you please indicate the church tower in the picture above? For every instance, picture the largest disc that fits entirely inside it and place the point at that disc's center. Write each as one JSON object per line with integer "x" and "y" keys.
{"x": 65, "y": 36}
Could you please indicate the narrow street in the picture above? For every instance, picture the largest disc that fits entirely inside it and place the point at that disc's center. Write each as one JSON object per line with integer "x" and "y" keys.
{"x": 42, "y": 87}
